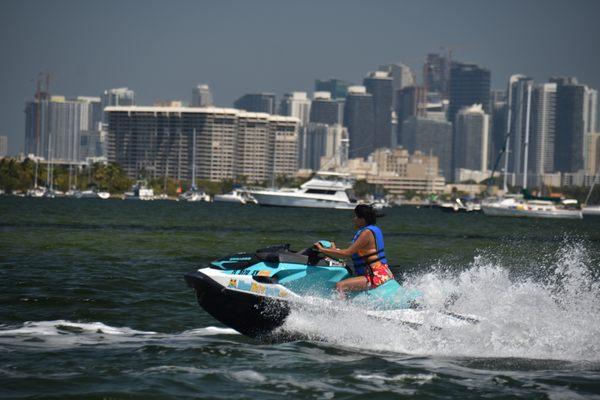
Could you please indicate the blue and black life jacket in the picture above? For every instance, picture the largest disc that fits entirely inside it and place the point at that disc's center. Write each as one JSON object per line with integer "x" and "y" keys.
{"x": 360, "y": 262}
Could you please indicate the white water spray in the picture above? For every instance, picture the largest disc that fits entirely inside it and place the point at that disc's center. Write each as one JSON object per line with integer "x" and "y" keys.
{"x": 555, "y": 317}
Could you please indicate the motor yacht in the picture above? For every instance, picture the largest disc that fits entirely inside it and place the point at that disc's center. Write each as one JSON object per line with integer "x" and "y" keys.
{"x": 324, "y": 190}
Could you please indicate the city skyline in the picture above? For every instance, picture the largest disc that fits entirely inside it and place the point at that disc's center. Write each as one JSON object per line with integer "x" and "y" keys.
{"x": 162, "y": 53}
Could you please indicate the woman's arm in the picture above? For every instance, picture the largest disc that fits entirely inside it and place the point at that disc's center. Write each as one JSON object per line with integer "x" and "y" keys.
{"x": 361, "y": 242}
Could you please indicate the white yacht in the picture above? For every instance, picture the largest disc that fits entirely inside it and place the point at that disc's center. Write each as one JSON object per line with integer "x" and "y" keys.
{"x": 324, "y": 190}
{"x": 235, "y": 196}
{"x": 517, "y": 206}
{"x": 140, "y": 191}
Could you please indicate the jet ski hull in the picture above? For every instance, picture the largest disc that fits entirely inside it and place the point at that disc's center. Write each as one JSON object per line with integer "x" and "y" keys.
{"x": 251, "y": 315}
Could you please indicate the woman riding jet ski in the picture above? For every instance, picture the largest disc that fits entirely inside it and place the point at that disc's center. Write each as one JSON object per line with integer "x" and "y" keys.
{"x": 254, "y": 293}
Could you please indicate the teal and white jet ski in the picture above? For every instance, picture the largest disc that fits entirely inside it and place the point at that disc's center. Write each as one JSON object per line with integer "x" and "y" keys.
{"x": 253, "y": 292}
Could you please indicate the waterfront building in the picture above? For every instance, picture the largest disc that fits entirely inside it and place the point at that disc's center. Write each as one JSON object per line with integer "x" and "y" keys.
{"x": 257, "y": 102}
{"x": 325, "y": 110}
{"x": 202, "y": 96}
{"x": 430, "y": 137}
{"x": 296, "y": 104}
{"x": 541, "y": 150}
{"x": 570, "y": 126}
{"x": 323, "y": 146}
{"x": 230, "y": 144}
{"x": 286, "y": 134}
{"x": 436, "y": 75}
{"x": 469, "y": 84}
{"x": 359, "y": 119}
{"x": 3, "y": 146}
{"x": 53, "y": 126}
{"x": 471, "y": 138}
{"x": 337, "y": 87}
{"x": 398, "y": 171}
{"x": 379, "y": 85}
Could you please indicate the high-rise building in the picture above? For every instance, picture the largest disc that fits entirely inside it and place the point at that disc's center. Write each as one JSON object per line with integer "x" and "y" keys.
{"x": 379, "y": 84}
{"x": 3, "y": 146}
{"x": 498, "y": 131}
{"x": 118, "y": 97}
{"x": 54, "y": 124}
{"x": 410, "y": 101}
{"x": 324, "y": 110}
{"x": 337, "y": 87}
{"x": 591, "y": 110}
{"x": 202, "y": 96}
{"x": 359, "y": 118}
{"x": 296, "y": 104}
{"x": 430, "y": 137}
{"x": 257, "y": 102}
{"x": 323, "y": 146}
{"x": 436, "y": 74}
{"x": 286, "y": 135}
{"x": 592, "y": 156}
{"x": 521, "y": 92}
{"x": 401, "y": 76}
{"x": 570, "y": 125}
{"x": 230, "y": 144}
{"x": 541, "y": 149}
{"x": 469, "y": 84}
{"x": 471, "y": 138}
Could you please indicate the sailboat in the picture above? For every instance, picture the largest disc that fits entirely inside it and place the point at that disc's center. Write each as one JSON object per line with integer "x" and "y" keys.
{"x": 589, "y": 210}
{"x": 527, "y": 205}
{"x": 49, "y": 189}
{"x": 194, "y": 194}
{"x": 36, "y": 191}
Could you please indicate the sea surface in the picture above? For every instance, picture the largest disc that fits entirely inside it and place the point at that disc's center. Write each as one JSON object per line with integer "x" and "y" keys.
{"x": 93, "y": 305}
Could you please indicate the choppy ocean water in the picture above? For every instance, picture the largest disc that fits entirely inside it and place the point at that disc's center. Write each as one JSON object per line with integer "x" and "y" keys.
{"x": 93, "y": 305}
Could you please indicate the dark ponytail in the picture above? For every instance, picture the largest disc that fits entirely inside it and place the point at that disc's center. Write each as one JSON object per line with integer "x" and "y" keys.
{"x": 367, "y": 213}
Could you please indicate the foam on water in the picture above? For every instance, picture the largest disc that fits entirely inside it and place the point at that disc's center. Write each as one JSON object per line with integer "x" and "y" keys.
{"x": 62, "y": 334}
{"x": 551, "y": 314}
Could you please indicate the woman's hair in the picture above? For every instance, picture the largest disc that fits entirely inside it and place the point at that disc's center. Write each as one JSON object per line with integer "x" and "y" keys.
{"x": 367, "y": 213}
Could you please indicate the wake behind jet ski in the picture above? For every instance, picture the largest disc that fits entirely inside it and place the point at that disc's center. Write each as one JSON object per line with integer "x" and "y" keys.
{"x": 253, "y": 292}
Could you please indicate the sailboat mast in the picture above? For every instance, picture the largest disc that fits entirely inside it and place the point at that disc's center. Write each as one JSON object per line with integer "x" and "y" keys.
{"x": 526, "y": 147}
{"x": 194, "y": 159}
{"x": 35, "y": 182}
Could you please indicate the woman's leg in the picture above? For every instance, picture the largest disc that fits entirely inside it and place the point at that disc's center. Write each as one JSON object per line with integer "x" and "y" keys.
{"x": 352, "y": 284}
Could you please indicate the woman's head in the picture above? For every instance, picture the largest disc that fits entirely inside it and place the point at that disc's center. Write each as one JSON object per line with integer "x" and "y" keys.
{"x": 364, "y": 215}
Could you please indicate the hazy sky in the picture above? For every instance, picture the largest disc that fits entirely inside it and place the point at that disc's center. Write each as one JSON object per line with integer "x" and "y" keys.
{"x": 161, "y": 49}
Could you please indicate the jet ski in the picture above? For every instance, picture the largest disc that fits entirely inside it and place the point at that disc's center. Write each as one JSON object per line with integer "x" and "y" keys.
{"x": 253, "y": 292}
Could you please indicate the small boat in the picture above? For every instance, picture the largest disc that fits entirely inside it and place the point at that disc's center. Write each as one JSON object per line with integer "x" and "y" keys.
{"x": 140, "y": 191}
{"x": 194, "y": 194}
{"x": 92, "y": 194}
{"x": 235, "y": 196}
